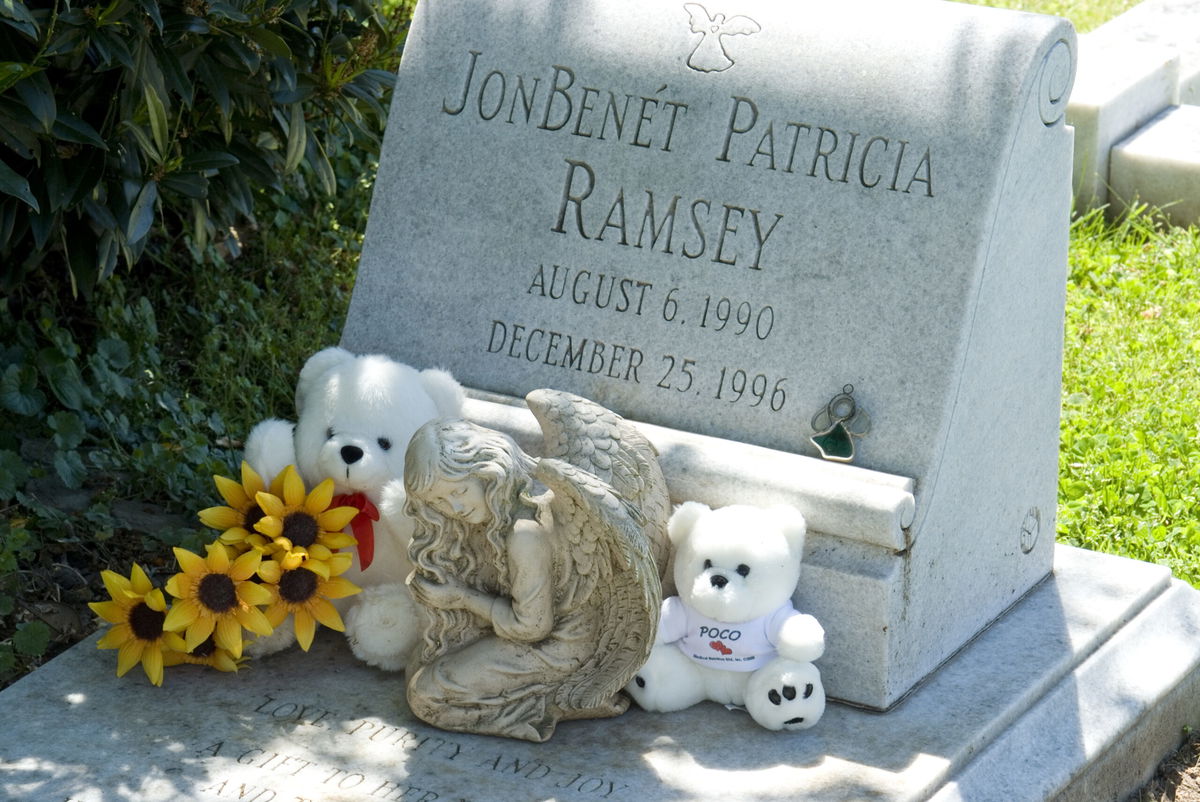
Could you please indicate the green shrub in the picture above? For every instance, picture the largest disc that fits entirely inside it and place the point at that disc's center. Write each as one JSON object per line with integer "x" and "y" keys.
{"x": 117, "y": 115}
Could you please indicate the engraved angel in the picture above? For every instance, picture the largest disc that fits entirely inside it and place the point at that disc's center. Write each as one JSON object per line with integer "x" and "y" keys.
{"x": 709, "y": 55}
{"x": 541, "y": 606}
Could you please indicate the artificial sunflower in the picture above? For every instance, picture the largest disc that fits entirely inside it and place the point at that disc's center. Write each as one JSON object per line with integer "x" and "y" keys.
{"x": 302, "y": 527}
{"x": 216, "y": 597}
{"x": 236, "y": 520}
{"x": 208, "y": 654}
{"x": 137, "y": 612}
{"x": 305, "y": 595}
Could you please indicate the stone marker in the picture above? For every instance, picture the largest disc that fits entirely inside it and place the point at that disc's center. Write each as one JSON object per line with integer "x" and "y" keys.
{"x": 714, "y": 217}
{"x": 1160, "y": 165}
{"x": 1011, "y": 718}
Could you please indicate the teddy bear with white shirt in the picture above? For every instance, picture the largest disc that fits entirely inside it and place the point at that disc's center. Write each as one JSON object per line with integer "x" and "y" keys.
{"x": 732, "y": 635}
{"x": 355, "y": 416}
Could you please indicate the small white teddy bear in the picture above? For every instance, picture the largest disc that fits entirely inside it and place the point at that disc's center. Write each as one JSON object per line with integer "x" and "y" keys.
{"x": 355, "y": 416}
{"x": 732, "y": 635}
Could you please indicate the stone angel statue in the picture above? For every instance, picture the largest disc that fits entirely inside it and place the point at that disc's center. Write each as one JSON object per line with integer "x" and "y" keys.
{"x": 540, "y": 578}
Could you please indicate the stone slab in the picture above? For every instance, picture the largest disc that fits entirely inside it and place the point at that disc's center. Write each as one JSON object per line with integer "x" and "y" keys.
{"x": 1049, "y": 697}
{"x": 1120, "y": 86}
{"x": 1170, "y": 26}
{"x": 867, "y": 193}
{"x": 1160, "y": 165}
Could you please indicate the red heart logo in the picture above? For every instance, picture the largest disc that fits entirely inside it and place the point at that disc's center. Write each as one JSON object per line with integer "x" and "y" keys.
{"x": 716, "y": 645}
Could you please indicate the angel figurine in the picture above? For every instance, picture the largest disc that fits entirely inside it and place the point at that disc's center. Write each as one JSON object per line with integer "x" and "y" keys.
{"x": 540, "y": 606}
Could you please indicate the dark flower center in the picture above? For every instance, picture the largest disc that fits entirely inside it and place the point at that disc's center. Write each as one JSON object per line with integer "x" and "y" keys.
{"x": 206, "y": 648}
{"x": 217, "y": 593}
{"x": 146, "y": 622}
{"x": 252, "y": 516}
{"x": 301, "y": 529}
{"x": 298, "y": 585}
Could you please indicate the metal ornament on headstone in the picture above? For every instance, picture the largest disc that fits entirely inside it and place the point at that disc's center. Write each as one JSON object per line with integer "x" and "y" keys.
{"x": 707, "y": 225}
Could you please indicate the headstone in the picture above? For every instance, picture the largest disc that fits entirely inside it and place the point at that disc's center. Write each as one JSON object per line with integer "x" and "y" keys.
{"x": 714, "y": 218}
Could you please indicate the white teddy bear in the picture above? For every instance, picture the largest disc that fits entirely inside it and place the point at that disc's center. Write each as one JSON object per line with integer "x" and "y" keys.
{"x": 355, "y": 416}
{"x": 732, "y": 635}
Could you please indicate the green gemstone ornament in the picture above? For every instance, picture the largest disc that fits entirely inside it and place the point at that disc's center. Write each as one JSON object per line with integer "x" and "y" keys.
{"x": 836, "y": 426}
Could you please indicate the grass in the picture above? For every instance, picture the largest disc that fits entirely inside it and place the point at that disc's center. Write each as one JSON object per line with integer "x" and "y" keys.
{"x": 1129, "y": 479}
{"x": 1085, "y": 14}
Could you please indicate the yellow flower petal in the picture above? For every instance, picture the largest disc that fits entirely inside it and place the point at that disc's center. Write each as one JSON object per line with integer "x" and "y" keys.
{"x": 291, "y": 560}
{"x": 155, "y": 601}
{"x": 318, "y": 551}
{"x": 251, "y": 481}
{"x": 269, "y": 571}
{"x": 245, "y": 566}
{"x": 182, "y": 615}
{"x": 318, "y": 567}
{"x": 140, "y": 582}
{"x": 339, "y": 588}
{"x": 116, "y": 585}
{"x": 338, "y": 540}
{"x": 271, "y": 505}
{"x": 218, "y": 559}
{"x": 276, "y": 613}
{"x": 221, "y": 518}
{"x": 228, "y": 636}
{"x": 130, "y": 655}
{"x": 319, "y": 498}
{"x": 233, "y": 493}
{"x": 293, "y": 487}
{"x": 306, "y": 627}
{"x": 327, "y": 614}
{"x": 115, "y": 637}
{"x": 234, "y": 535}
{"x": 152, "y": 664}
{"x": 180, "y": 586}
{"x": 223, "y": 662}
{"x": 250, "y": 593}
{"x": 340, "y": 562}
{"x": 337, "y": 519}
{"x": 190, "y": 563}
{"x": 111, "y": 612}
{"x": 270, "y": 525}
{"x": 198, "y": 632}
{"x": 172, "y": 641}
{"x": 253, "y": 619}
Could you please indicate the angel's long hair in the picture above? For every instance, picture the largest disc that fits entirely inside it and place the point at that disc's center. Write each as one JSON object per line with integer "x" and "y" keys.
{"x": 444, "y": 547}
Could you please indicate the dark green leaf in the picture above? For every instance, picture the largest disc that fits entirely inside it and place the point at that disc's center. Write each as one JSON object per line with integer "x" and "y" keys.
{"x": 19, "y": 392}
{"x": 70, "y": 128}
{"x": 141, "y": 216}
{"x": 42, "y": 225}
{"x": 270, "y": 42}
{"x": 151, "y": 9}
{"x": 58, "y": 188}
{"x": 10, "y": 73}
{"x": 207, "y": 160}
{"x": 7, "y": 602}
{"x": 12, "y": 183}
{"x": 69, "y": 467}
{"x": 62, "y": 375}
{"x": 31, "y": 638}
{"x": 13, "y": 474}
{"x": 190, "y": 185}
{"x": 38, "y": 95}
{"x": 157, "y": 111}
{"x": 297, "y": 134}
{"x": 15, "y": 10}
{"x": 115, "y": 352}
{"x": 227, "y": 11}
{"x": 68, "y": 430}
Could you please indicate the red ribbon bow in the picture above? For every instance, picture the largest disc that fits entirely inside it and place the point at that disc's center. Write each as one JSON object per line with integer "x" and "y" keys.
{"x": 364, "y": 530}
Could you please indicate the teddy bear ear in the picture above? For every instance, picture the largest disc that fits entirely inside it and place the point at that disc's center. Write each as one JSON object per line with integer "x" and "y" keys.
{"x": 447, "y": 394}
{"x": 317, "y": 366}
{"x": 684, "y": 518}
{"x": 791, "y": 521}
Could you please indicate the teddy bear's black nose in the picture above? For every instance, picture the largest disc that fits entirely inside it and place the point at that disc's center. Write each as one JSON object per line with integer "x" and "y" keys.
{"x": 351, "y": 454}
{"x": 718, "y": 581}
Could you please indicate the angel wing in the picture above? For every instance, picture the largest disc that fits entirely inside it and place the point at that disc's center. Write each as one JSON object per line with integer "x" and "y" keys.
{"x": 699, "y": 20}
{"x": 607, "y": 551}
{"x": 739, "y": 24}
{"x": 613, "y": 450}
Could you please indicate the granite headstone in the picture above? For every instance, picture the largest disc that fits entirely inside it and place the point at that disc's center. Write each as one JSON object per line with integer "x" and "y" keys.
{"x": 713, "y": 218}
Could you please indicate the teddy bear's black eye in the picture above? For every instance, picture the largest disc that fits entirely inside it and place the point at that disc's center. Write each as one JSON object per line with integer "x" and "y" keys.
{"x": 707, "y": 564}
{"x": 384, "y": 443}
{"x": 743, "y": 569}
{"x": 329, "y": 433}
